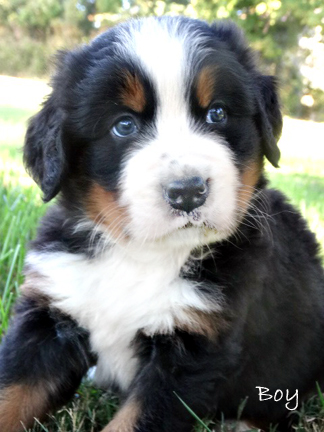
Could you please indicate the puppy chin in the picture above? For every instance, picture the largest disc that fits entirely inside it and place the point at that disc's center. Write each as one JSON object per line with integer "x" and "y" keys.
{"x": 184, "y": 232}
{"x": 192, "y": 237}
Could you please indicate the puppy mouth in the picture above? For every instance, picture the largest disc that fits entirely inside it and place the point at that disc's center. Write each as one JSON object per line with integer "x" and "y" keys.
{"x": 203, "y": 226}
{"x": 189, "y": 220}
{"x": 194, "y": 215}
{"x": 187, "y": 225}
{"x": 193, "y": 220}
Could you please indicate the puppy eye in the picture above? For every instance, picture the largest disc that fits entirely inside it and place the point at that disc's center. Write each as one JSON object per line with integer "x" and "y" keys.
{"x": 216, "y": 115}
{"x": 124, "y": 127}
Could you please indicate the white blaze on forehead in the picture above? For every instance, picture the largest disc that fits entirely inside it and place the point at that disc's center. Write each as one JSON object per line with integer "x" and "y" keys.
{"x": 162, "y": 55}
{"x": 164, "y": 50}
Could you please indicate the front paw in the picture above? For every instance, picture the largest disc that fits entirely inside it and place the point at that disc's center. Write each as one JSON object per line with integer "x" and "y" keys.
{"x": 118, "y": 427}
{"x": 125, "y": 420}
{"x": 113, "y": 427}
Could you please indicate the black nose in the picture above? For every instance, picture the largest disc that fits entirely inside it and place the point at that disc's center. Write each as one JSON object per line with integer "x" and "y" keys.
{"x": 186, "y": 194}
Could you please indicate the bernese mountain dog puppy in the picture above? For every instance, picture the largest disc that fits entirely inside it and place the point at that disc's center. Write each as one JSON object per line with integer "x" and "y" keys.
{"x": 166, "y": 260}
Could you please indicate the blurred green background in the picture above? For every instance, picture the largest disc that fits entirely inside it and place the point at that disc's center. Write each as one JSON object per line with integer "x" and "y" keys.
{"x": 287, "y": 34}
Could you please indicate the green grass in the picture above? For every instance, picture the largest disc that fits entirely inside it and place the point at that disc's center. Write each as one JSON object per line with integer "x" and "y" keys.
{"x": 14, "y": 115}
{"x": 89, "y": 411}
{"x": 305, "y": 190}
{"x": 301, "y": 177}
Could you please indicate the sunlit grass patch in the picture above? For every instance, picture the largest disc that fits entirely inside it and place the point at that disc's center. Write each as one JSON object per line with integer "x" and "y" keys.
{"x": 302, "y": 139}
{"x": 13, "y": 115}
{"x": 13, "y": 122}
{"x": 302, "y": 180}
{"x": 21, "y": 93}
{"x": 19, "y": 100}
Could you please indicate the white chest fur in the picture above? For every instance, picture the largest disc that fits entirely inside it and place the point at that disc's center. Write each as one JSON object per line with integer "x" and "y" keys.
{"x": 115, "y": 295}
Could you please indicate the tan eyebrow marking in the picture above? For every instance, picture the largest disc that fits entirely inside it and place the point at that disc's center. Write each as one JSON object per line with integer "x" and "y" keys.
{"x": 205, "y": 86}
{"x": 132, "y": 92}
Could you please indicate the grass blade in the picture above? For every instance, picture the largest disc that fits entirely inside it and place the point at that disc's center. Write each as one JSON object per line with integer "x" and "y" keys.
{"x": 193, "y": 413}
{"x": 320, "y": 395}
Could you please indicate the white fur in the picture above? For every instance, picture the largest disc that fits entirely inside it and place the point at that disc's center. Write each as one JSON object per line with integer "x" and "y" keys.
{"x": 173, "y": 156}
{"x": 167, "y": 53}
{"x": 115, "y": 295}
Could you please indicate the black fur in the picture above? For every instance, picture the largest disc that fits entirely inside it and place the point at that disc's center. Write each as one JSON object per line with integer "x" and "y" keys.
{"x": 44, "y": 155}
{"x": 44, "y": 347}
{"x": 273, "y": 338}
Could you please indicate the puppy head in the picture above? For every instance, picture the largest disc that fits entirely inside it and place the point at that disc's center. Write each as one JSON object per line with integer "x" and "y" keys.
{"x": 157, "y": 131}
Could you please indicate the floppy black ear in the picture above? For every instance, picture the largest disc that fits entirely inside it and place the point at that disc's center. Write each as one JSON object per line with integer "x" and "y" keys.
{"x": 269, "y": 119}
{"x": 43, "y": 150}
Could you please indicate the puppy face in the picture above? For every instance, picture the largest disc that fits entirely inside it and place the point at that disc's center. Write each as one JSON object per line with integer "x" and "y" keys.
{"x": 158, "y": 132}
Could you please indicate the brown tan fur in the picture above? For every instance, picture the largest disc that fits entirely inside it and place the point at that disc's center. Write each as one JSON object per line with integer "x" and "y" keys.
{"x": 30, "y": 288}
{"x": 20, "y": 405}
{"x": 205, "y": 86}
{"x": 204, "y": 323}
{"x": 103, "y": 208}
{"x": 125, "y": 419}
{"x": 249, "y": 179}
{"x": 132, "y": 94}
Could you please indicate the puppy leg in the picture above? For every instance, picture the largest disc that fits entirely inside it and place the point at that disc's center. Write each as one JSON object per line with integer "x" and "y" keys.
{"x": 20, "y": 404}
{"x": 126, "y": 418}
{"x": 42, "y": 360}
{"x": 183, "y": 365}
